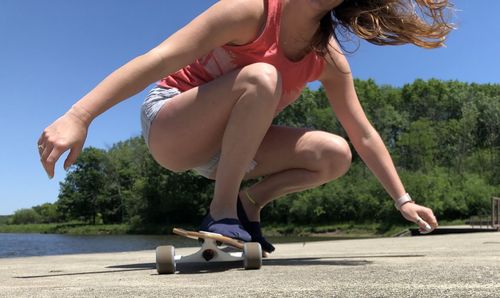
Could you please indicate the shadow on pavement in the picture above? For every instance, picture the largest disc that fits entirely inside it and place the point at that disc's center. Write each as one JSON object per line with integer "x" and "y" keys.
{"x": 197, "y": 268}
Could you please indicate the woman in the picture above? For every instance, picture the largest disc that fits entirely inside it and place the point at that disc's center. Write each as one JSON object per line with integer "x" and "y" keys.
{"x": 251, "y": 59}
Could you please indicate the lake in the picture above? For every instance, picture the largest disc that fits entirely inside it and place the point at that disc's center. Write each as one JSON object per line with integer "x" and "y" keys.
{"x": 25, "y": 245}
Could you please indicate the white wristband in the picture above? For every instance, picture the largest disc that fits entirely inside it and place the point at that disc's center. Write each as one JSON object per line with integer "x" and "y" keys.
{"x": 403, "y": 200}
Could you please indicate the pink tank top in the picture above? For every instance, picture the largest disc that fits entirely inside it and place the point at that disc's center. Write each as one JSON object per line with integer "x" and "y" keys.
{"x": 264, "y": 48}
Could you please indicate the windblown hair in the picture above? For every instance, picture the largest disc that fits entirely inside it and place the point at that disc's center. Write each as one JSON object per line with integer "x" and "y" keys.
{"x": 387, "y": 22}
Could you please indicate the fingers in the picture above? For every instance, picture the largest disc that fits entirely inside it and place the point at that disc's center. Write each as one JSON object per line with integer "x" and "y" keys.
{"x": 422, "y": 216}
{"x": 73, "y": 155}
{"x": 65, "y": 133}
{"x": 41, "y": 144}
{"x": 45, "y": 150}
{"x": 49, "y": 154}
{"x": 50, "y": 162}
{"x": 40, "y": 140}
{"x": 431, "y": 219}
{"x": 41, "y": 149}
{"x": 424, "y": 227}
{"x": 426, "y": 220}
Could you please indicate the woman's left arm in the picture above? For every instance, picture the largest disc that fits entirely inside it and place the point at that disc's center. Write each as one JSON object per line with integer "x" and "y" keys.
{"x": 339, "y": 87}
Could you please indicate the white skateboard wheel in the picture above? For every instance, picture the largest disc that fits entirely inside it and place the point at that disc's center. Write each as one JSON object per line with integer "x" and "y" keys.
{"x": 252, "y": 255}
{"x": 165, "y": 259}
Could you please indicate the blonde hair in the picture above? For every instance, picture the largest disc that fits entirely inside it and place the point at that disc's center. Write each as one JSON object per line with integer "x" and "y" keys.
{"x": 387, "y": 22}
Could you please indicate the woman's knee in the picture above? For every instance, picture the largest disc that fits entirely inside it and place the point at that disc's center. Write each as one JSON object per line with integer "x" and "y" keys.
{"x": 263, "y": 78}
{"x": 335, "y": 156}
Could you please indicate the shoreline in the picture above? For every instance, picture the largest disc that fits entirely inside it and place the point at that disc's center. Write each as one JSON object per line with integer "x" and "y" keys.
{"x": 340, "y": 230}
{"x": 332, "y": 231}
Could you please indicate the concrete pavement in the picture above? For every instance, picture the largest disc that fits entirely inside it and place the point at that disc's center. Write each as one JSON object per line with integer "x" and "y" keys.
{"x": 460, "y": 265}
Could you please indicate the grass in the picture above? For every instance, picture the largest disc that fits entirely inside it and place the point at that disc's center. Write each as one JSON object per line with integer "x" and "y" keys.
{"x": 341, "y": 230}
{"x": 72, "y": 228}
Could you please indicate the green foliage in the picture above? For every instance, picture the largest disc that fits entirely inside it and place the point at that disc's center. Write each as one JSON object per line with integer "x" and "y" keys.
{"x": 48, "y": 213}
{"x": 83, "y": 191}
{"x": 444, "y": 138}
{"x": 434, "y": 100}
{"x": 4, "y": 219}
{"x": 418, "y": 145}
{"x": 25, "y": 216}
{"x": 450, "y": 194}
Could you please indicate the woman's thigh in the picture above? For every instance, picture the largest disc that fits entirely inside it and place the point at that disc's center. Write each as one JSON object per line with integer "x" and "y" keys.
{"x": 188, "y": 129}
{"x": 285, "y": 148}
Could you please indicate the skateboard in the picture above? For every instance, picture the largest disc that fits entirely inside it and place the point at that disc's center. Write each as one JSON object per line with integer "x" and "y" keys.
{"x": 213, "y": 249}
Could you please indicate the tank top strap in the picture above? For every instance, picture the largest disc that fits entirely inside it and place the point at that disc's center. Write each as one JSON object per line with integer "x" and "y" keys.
{"x": 273, "y": 19}
{"x": 269, "y": 35}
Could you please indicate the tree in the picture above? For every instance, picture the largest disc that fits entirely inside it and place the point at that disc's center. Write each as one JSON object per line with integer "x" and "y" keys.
{"x": 84, "y": 186}
{"x": 48, "y": 212}
{"x": 25, "y": 216}
{"x": 418, "y": 146}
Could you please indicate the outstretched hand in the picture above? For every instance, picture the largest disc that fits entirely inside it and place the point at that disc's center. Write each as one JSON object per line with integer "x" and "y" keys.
{"x": 67, "y": 132}
{"x": 422, "y": 216}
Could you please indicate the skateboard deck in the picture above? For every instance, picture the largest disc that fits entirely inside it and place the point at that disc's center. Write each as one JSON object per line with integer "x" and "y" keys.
{"x": 211, "y": 250}
{"x": 207, "y": 235}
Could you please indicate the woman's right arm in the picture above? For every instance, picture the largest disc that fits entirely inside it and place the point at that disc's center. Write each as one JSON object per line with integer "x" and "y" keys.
{"x": 227, "y": 21}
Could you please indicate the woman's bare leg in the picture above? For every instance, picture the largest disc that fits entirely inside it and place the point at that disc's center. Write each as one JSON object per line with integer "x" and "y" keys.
{"x": 294, "y": 160}
{"x": 230, "y": 114}
{"x": 250, "y": 119}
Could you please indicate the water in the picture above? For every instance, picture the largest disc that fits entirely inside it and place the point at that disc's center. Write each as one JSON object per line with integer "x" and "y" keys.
{"x": 24, "y": 245}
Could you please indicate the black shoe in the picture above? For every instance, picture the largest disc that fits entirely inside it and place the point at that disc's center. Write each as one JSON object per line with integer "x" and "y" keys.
{"x": 253, "y": 228}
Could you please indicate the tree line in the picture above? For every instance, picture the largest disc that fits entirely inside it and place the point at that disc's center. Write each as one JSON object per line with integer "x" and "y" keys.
{"x": 444, "y": 138}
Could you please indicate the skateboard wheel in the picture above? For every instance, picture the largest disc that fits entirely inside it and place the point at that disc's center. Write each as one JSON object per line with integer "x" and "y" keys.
{"x": 165, "y": 259}
{"x": 252, "y": 255}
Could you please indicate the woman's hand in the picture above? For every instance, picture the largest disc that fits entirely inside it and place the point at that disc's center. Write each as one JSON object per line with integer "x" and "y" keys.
{"x": 67, "y": 132}
{"x": 422, "y": 216}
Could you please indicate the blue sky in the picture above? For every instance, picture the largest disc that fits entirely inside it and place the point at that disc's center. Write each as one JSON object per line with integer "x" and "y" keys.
{"x": 54, "y": 52}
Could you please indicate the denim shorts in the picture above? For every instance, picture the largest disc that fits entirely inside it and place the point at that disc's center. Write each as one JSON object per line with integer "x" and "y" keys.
{"x": 150, "y": 108}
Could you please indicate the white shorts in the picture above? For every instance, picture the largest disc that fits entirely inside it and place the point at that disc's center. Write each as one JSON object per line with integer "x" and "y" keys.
{"x": 150, "y": 108}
